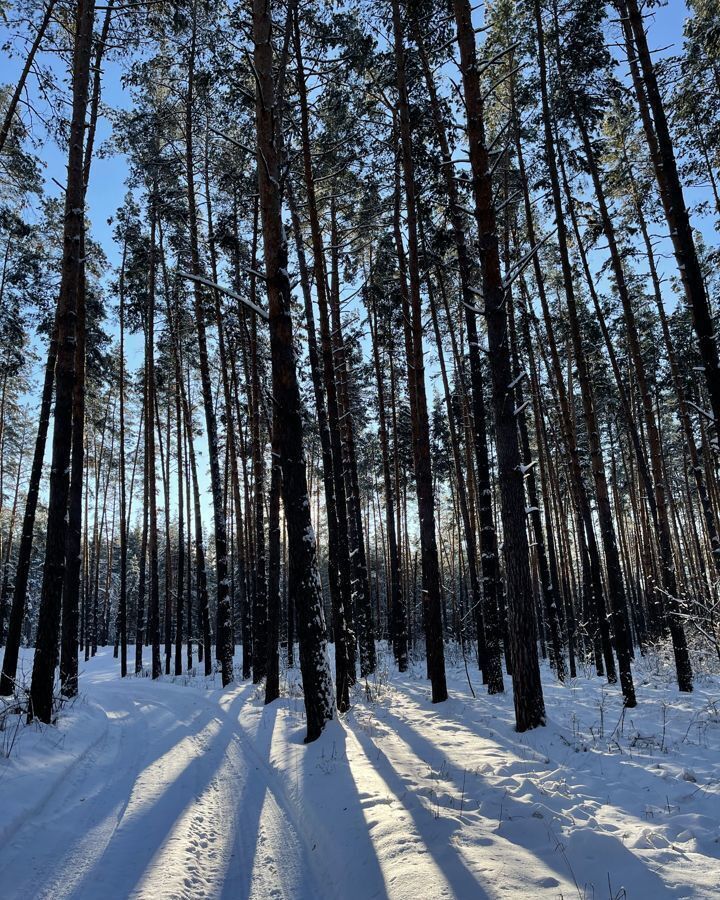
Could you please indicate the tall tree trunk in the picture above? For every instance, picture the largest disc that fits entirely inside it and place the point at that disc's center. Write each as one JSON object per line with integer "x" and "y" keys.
{"x": 660, "y": 505}
{"x": 140, "y": 618}
{"x": 317, "y": 683}
{"x": 339, "y": 618}
{"x": 548, "y": 583}
{"x": 224, "y": 648}
{"x": 167, "y": 553}
{"x": 358, "y": 556}
{"x": 461, "y": 487}
{"x": 397, "y": 611}
{"x": 272, "y": 653}
{"x": 546, "y": 483}
{"x": 431, "y": 592}
{"x": 180, "y": 578}
{"x": 616, "y": 589}
{"x": 662, "y": 155}
{"x": 153, "y": 618}
{"x": 527, "y": 689}
{"x": 489, "y": 557}
{"x": 675, "y": 370}
{"x": 615, "y": 586}
{"x": 4, "y": 589}
{"x": 122, "y": 600}
{"x": 45, "y": 658}
{"x": 343, "y": 612}
{"x": 231, "y": 437}
{"x": 73, "y": 555}
{"x": 22, "y": 568}
{"x": 189, "y": 606}
{"x": 260, "y": 597}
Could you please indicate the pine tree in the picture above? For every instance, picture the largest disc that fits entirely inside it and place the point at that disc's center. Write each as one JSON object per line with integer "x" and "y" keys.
{"x": 317, "y": 684}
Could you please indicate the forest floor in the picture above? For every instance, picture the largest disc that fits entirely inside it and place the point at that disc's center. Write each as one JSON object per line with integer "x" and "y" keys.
{"x": 181, "y": 789}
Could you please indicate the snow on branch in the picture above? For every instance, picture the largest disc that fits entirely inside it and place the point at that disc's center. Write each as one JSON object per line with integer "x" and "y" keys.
{"x": 516, "y": 381}
{"x": 231, "y": 140}
{"x": 519, "y": 267}
{"x": 703, "y": 412}
{"x": 211, "y": 284}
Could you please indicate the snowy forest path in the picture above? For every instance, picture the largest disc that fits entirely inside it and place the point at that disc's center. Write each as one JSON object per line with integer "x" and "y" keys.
{"x": 166, "y": 803}
{"x": 179, "y": 789}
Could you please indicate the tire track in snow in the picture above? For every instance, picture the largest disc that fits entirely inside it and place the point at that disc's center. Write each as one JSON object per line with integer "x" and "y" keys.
{"x": 92, "y": 809}
{"x": 282, "y": 858}
{"x": 75, "y": 829}
{"x": 155, "y": 809}
{"x": 192, "y": 860}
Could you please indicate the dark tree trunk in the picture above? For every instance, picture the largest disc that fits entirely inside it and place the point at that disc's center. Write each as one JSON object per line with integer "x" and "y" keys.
{"x": 339, "y": 619}
{"x": 73, "y": 554}
{"x": 656, "y": 488}
{"x": 224, "y": 648}
{"x": 616, "y": 588}
{"x": 527, "y": 688}
{"x": 46, "y": 648}
{"x": 662, "y": 155}
{"x": 22, "y": 568}
{"x": 4, "y": 589}
{"x": 272, "y": 654}
{"x": 361, "y": 594}
{"x": 180, "y": 579}
{"x": 431, "y": 592}
{"x": 260, "y": 595}
{"x": 140, "y": 618}
{"x": 338, "y": 538}
{"x": 548, "y": 584}
{"x": 122, "y": 600}
{"x": 151, "y": 400}
{"x": 317, "y": 683}
{"x": 239, "y": 570}
{"x": 71, "y": 584}
{"x": 487, "y": 624}
{"x": 594, "y": 595}
{"x": 397, "y": 611}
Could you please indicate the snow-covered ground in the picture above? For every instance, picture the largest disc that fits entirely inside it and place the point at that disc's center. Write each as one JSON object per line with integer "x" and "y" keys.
{"x": 180, "y": 789}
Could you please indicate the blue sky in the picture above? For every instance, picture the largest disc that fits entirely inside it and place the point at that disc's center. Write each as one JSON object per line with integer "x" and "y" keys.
{"x": 107, "y": 186}
{"x": 107, "y": 183}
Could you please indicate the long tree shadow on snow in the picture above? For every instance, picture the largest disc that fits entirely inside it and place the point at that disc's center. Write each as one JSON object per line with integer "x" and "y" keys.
{"x": 438, "y": 845}
{"x": 134, "y": 844}
{"x": 492, "y": 728}
{"x": 584, "y": 850}
{"x": 261, "y": 853}
{"x": 322, "y": 812}
{"x": 108, "y": 801}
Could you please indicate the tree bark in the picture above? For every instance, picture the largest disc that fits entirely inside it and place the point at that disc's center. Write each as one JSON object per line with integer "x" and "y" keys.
{"x": 662, "y": 155}
{"x": 397, "y": 610}
{"x": 527, "y": 688}
{"x": 317, "y": 683}
{"x": 431, "y": 592}
{"x": 358, "y": 555}
{"x": 339, "y": 619}
{"x": 45, "y": 658}
{"x": 22, "y": 568}
{"x": 488, "y": 622}
{"x": 224, "y": 648}
{"x": 343, "y": 613}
